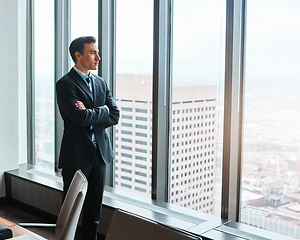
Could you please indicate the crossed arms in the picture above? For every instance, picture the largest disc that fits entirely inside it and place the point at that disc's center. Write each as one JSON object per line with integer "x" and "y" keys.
{"x": 73, "y": 109}
{"x": 81, "y": 106}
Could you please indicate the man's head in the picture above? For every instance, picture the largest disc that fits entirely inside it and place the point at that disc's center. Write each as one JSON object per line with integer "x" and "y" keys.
{"x": 85, "y": 53}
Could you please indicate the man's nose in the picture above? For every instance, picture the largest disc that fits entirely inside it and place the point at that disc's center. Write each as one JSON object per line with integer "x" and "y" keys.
{"x": 98, "y": 57}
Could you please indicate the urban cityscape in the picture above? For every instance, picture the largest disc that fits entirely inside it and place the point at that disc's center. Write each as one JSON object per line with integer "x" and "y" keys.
{"x": 270, "y": 173}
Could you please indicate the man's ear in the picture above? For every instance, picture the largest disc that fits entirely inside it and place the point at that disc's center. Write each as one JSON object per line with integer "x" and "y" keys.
{"x": 77, "y": 55}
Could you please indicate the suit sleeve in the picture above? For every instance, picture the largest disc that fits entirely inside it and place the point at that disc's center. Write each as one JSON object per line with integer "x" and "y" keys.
{"x": 113, "y": 116}
{"x": 66, "y": 99}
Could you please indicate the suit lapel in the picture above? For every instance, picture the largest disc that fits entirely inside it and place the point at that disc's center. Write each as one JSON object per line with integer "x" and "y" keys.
{"x": 94, "y": 88}
{"x": 80, "y": 82}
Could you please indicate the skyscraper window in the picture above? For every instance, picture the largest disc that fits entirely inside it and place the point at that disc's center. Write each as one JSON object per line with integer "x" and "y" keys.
{"x": 190, "y": 84}
{"x": 44, "y": 84}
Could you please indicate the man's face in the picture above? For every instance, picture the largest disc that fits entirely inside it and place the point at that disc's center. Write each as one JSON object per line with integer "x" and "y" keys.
{"x": 90, "y": 58}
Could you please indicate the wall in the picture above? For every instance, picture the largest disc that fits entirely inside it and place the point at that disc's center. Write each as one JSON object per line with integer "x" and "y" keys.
{"x": 13, "y": 139}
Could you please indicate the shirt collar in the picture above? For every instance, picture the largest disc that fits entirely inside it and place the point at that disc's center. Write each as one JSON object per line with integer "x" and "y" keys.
{"x": 81, "y": 74}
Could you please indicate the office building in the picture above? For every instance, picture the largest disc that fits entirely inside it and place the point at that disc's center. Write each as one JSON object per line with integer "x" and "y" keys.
{"x": 192, "y": 142}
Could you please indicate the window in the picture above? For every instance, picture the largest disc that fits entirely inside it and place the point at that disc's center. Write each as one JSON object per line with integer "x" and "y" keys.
{"x": 140, "y": 166}
{"x": 126, "y": 132}
{"x": 126, "y": 109}
{"x": 198, "y": 70}
{"x": 140, "y": 150}
{"x": 134, "y": 37}
{"x": 126, "y": 117}
{"x": 126, "y": 170}
{"x": 138, "y": 134}
{"x": 44, "y": 83}
{"x": 126, "y": 155}
{"x": 84, "y": 18}
{"x": 140, "y": 189}
{"x": 141, "y": 142}
{"x": 126, "y": 178}
{"x": 126, "y": 185}
{"x": 140, "y": 181}
{"x": 271, "y": 152}
{"x": 141, "y": 118}
{"x": 141, "y": 126}
{"x": 141, "y": 158}
{"x": 126, "y": 148}
{"x": 140, "y": 174}
{"x": 44, "y": 69}
{"x": 126, "y": 140}
{"x": 126, "y": 163}
{"x": 138, "y": 110}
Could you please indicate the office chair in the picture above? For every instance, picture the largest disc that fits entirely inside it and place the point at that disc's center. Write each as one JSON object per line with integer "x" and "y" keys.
{"x": 128, "y": 226}
{"x": 68, "y": 217}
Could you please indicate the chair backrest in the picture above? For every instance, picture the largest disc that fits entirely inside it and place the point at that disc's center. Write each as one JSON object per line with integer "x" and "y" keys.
{"x": 128, "y": 226}
{"x": 70, "y": 211}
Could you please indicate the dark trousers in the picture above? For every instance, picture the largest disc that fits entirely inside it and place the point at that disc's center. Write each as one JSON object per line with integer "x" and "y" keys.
{"x": 93, "y": 201}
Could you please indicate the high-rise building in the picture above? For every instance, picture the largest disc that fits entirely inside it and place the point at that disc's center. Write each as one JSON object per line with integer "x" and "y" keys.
{"x": 193, "y": 141}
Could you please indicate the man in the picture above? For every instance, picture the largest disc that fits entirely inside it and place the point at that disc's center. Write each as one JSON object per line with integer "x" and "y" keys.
{"x": 87, "y": 108}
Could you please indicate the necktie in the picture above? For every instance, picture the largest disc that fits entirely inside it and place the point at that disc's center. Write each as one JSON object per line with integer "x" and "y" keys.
{"x": 88, "y": 80}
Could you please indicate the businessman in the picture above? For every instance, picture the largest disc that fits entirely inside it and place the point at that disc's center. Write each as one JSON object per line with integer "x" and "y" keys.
{"x": 87, "y": 108}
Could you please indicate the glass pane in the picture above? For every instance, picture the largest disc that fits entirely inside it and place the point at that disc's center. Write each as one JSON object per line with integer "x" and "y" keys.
{"x": 134, "y": 44}
{"x": 44, "y": 82}
{"x": 271, "y": 149}
{"x": 84, "y": 21}
{"x": 84, "y": 18}
{"x": 197, "y": 104}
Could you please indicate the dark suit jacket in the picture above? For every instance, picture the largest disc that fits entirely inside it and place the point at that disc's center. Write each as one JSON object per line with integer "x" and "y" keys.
{"x": 77, "y": 148}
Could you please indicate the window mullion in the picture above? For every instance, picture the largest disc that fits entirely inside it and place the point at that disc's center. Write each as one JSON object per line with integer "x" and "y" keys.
{"x": 107, "y": 70}
{"x": 161, "y": 99}
{"x": 62, "y": 64}
{"x": 30, "y": 83}
{"x": 233, "y": 110}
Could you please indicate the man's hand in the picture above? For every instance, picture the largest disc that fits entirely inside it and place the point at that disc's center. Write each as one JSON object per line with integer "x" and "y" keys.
{"x": 80, "y": 105}
{"x": 106, "y": 107}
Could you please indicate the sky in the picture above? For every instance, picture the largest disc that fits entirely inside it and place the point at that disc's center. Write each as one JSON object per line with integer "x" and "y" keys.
{"x": 272, "y": 44}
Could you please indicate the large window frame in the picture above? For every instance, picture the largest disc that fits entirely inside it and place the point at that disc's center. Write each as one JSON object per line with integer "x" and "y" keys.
{"x": 162, "y": 70}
